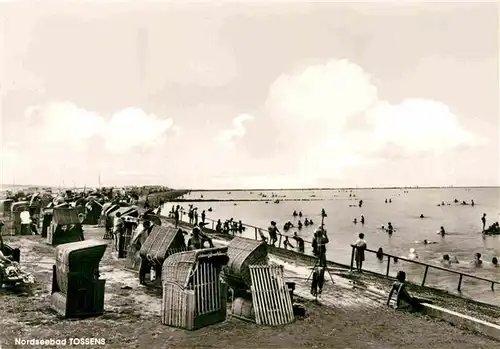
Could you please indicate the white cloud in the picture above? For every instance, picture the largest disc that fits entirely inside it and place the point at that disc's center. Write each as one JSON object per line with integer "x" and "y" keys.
{"x": 65, "y": 123}
{"x": 334, "y": 113}
{"x": 420, "y": 125}
{"x": 226, "y": 137}
{"x": 132, "y": 127}
{"x": 322, "y": 95}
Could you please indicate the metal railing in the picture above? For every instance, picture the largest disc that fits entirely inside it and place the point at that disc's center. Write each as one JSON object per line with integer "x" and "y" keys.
{"x": 256, "y": 229}
{"x": 426, "y": 265}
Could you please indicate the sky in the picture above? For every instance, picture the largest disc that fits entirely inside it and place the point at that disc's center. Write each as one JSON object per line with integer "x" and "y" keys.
{"x": 250, "y": 95}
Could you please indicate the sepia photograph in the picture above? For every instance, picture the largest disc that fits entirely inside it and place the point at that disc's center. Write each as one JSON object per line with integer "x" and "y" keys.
{"x": 249, "y": 174}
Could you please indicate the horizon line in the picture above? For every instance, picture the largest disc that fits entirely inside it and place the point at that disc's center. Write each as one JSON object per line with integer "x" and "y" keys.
{"x": 259, "y": 189}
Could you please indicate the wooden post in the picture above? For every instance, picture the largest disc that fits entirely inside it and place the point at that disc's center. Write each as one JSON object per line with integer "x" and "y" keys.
{"x": 425, "y": 275}
{"x": 460, "y": 282}
{"x": 352, "y": 257}
{"x": 279, "y": 242}
{"x": 388, "y": 266}
{"x": 256, "y": 234}
{"x": 492, "y": 286}
{"x": 212, "y": 225}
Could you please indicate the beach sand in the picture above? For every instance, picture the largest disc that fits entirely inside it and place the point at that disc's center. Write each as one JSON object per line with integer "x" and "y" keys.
{"x": 132, "y": 317}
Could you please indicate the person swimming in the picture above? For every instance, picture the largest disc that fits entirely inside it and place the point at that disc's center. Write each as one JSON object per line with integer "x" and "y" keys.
{"x": 426, "y": 242}
{"x": 447, "y": 260}
{"x": 494, "y": 261}
{"x": 355, "y": 221}
{"x": 477, "y": 260}
{"x": 422, "y": 215}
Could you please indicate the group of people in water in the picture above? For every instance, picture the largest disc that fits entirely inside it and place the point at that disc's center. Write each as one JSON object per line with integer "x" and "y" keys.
{"x": 297, "y": 242}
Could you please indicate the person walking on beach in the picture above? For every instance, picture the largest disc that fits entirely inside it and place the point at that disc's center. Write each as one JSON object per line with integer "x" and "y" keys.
{"x": 25, "y": 222}
{"x": 483, "y": 220}
{"x": 117, "y": 229}
{"x": 360, "y": 246}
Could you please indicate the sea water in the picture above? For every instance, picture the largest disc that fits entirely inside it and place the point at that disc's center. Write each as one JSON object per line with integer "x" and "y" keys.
{"x": 462, "y": 222}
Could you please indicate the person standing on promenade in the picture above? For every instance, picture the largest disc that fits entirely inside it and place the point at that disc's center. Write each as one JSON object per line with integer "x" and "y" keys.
{"x": 321, "y": 241}
{"x": 360, "y": 246}
{"x": 190, "y": 215}
{"x": 300, "y": 242}
{"x": 483, "y": 220}
{"x": 176, "y": 216}
{"x": 273, "y": 233}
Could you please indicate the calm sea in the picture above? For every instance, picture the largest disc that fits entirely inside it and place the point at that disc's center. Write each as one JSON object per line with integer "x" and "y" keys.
{"x": 463, "y": 223}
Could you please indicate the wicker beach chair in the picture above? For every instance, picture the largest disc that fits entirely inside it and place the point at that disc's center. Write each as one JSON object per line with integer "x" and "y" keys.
{"x": 270, "y": 296}
{"x": 65, "y": 227}
{"x": 161, "y": 243}
{"x": 193, "y": 294}
{"x": 77, "y": 290}
{"x": 242, "y": 253}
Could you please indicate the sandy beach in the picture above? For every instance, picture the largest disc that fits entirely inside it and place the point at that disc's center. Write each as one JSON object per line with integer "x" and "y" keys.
{"x": 347, "y": 319}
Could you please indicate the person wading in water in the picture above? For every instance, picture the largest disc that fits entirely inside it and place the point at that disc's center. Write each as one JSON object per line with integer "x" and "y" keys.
{"x": 483, "y": 220}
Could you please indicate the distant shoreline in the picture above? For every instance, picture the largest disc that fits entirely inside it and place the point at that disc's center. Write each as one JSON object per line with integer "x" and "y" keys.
{"x": 10, "y": 186}
{"x": 352, "y": 188}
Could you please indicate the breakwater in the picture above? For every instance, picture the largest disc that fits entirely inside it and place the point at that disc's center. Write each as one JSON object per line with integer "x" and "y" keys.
{"x": 155, "y": 198}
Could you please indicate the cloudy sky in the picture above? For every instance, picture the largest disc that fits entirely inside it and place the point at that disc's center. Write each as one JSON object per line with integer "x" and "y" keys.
{"x": 257, "y": 96}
